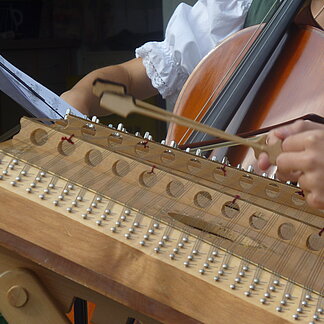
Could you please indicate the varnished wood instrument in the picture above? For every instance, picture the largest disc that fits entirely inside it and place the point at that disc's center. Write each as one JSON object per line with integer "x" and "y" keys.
{"x": 251, "y": 73}
{"x": 169, "y": 235}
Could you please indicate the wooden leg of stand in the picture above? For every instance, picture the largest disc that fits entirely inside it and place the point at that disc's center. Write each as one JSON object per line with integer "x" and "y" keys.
{"x": 106, "y": 310}
{"x": 23, "y": 299}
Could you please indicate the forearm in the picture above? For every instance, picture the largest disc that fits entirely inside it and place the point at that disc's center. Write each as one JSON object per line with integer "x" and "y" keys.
{"x": 132, "y": 74}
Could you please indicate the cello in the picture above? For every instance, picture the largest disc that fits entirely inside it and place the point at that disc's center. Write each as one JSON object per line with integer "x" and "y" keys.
{"x": 261, "y": 76}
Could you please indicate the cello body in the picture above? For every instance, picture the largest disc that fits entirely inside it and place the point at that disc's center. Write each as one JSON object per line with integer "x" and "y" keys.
{"x": 293, "y": 87}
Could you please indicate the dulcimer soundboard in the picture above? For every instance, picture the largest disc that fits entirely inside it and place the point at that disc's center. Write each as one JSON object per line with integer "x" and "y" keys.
{"x": 170, "y": 235}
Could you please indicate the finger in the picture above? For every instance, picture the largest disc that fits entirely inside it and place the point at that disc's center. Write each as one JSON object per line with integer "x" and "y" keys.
{"x": 272, "y": 138}
{"x": 304, "y": 140}
{"x": 312, "y": 181}
{"x": 289, "y": 163}
{"x": 296, "y": 127}
{"x": 313, "y": 188}
{"x": 263, "y": 161}
{"x": 292, "y": 176}
{"x": 294, "y": 143}
{"x": 315, "y": 200}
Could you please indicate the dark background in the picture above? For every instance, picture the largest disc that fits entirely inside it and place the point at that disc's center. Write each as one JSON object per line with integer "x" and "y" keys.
{"x": 57, "y": 42}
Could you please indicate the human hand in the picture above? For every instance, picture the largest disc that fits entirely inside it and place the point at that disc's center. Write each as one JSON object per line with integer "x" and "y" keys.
{"x": 302, "y": 159}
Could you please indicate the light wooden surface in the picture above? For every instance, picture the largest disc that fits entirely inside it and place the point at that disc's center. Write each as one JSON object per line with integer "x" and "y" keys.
{"x": 136, "y": 266}
{"x": 118, "y": 272}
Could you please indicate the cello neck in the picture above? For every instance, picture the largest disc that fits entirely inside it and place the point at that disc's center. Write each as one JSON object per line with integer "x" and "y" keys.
{"x": 247, "y": 72}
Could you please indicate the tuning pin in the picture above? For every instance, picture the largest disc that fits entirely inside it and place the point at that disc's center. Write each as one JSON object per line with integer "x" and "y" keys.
{"x": 138, "y": 134}
{"x": 146, "y": 135}
{"x": 120, "y": 127}
{"x": 163, "y": 142}
{"x": 239, "y": 166}
{"x": 288, "y": 183}
{"x": 265, "y": 174}
{"x": 250, "y": 169}
{"x": 150, "y": 138}
{"x": 198, "y": 152}
{"x": 188, "y": 149}
{"x": 67, "y": 113}
{"x": 214, "y": 158}
{"x": 174, "y": 144}
{"x": 225, "y": 160}
{"x": 95, "y": 119}
{"x": 110, "y": 126}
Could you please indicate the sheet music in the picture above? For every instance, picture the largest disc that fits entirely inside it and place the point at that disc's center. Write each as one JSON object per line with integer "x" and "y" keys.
{"x": 23, "y": 96}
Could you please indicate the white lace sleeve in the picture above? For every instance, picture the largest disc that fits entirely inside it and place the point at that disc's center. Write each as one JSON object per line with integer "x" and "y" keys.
{"x": 191, "y": 33}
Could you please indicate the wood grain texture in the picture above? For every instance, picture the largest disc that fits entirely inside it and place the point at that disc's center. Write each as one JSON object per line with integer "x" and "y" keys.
{"x": 114, "y": 270}
{"x": 62, "y": 289}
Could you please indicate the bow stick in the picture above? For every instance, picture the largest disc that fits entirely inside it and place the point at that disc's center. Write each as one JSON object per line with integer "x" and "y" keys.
{"x": 114, "y": 98}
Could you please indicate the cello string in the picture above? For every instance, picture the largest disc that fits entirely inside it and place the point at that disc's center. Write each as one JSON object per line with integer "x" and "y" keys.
{"x": 257, "y": 42}
{"x": 254, "y": 45}
{"x": 251, "y": 64}
{"x": 224, "y": 78}
{"x": 319, "y": 12}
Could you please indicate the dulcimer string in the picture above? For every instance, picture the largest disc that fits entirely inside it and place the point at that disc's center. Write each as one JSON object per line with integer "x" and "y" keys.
{"x": 289, "y": 252}
{"x": 273, "y": 249}
{"x": 316, "y": 15}
{"x": 314, "y": 274}
{"x": 239, "y": 239}
{"x": 290, "y": 248}
{"x": 215, "y": 143}
{"x": 63, "y": 170}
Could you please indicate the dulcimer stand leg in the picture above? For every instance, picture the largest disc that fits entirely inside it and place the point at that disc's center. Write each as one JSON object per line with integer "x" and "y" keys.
{"x": 23, "y": 299}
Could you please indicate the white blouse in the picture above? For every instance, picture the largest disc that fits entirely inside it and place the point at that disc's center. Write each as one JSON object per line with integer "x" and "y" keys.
{"x": 192, "y": 32}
